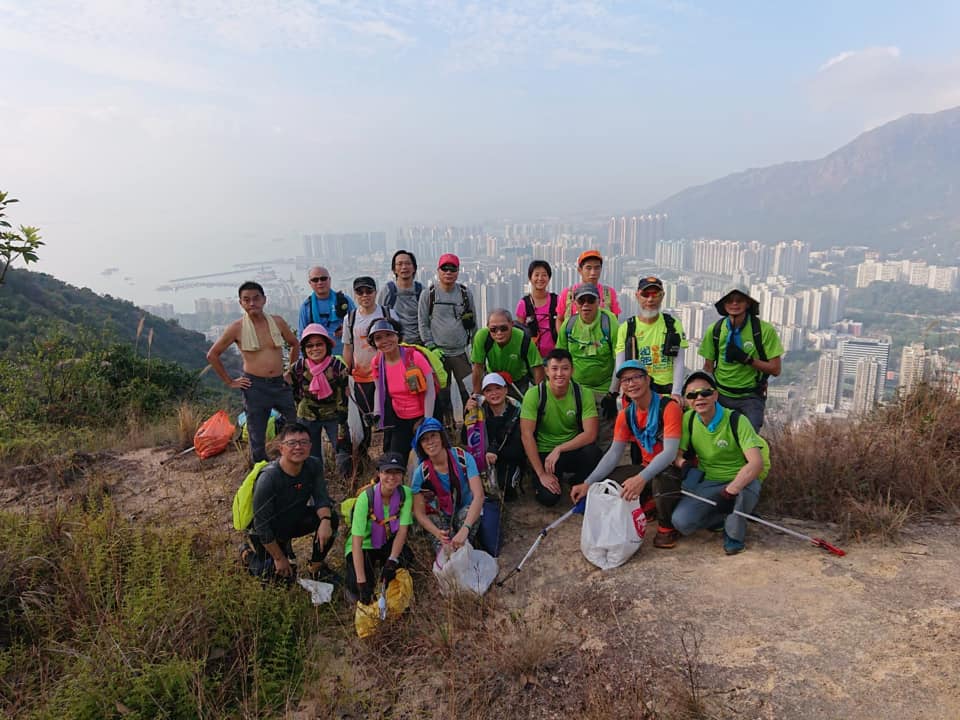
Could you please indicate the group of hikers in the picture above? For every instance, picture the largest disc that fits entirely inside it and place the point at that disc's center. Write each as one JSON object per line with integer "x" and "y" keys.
{"x": 566, "y": 390}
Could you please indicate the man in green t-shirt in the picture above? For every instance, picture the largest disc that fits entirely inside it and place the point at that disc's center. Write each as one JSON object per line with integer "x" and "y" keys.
{"x": 589, "y": 336}
{"x": 502, "y": 348}
{"x": 558, "y": 427}
{"x": 742, "y": 351}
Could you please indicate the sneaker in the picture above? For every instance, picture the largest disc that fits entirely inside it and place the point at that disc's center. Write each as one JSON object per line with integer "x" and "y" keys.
{"x": 731, "y": 546}
{"x": 666, "y": 538}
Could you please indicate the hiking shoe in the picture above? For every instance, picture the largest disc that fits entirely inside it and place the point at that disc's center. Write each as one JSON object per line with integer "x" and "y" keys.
{"x": 666, "y": 538}
{"x": 731, "y": 546}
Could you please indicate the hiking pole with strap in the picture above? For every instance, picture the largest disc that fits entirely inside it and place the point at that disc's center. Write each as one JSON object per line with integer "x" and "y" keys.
{"x": 576, "y": 509}
{"x": 818, "y": 542}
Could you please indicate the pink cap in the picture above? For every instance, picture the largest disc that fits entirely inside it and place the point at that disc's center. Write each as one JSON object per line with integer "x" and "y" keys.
{"x": 448, "y": 259}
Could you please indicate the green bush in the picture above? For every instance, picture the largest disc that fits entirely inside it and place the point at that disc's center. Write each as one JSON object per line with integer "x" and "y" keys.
{"x": 100, "y": 618}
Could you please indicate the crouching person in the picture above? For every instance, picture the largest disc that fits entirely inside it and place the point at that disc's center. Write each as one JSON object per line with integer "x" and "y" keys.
{"x": 731, "y": 462}
{"x": 652, "y": 423}
{"x": 290, "y": 500}
{"x": 447, "y": 490}
{"x": 382, "y": 516}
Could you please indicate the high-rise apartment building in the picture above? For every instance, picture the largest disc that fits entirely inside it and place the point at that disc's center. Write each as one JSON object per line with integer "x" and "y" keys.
{"x": 867, "y": 385}
{"x": 829, "y": 381}
{"x": 917, "y": 365}
{"x": 853, "y": 350}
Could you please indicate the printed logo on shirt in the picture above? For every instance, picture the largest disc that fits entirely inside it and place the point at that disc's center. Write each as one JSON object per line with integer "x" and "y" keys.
{"x": 571, "y": 413}
{"x": 721, "y": 443}
{"x": 748, "y": 345}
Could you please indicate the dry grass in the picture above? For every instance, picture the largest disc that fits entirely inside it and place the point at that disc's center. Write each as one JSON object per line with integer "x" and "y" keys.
{"x": 871, "y": 475}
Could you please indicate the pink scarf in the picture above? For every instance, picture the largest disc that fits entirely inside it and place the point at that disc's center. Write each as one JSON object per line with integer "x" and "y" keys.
{"x": 318, "y": 382}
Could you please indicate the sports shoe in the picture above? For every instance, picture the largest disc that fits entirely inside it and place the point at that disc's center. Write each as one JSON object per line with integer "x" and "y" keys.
{"x": 666, "y": 538}
{"x": 731, "y": 546}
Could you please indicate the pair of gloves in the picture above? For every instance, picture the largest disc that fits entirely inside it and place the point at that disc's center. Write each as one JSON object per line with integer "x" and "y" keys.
{"x": 736, "y": 354}
{"x": 387, "y": 575}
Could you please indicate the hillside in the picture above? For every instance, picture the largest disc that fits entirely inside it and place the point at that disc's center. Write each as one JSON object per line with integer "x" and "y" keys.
{"x": 30, "y": 302}
{"x": 893, "y": 187}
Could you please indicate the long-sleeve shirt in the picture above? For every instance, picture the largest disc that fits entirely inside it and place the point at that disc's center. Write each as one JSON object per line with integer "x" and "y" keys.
{"x": 444, "y": 326}
{"x": 279, "y": 499}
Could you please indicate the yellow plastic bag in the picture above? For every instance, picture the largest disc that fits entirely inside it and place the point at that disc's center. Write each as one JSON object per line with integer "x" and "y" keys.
{"x": 399, "y": 594}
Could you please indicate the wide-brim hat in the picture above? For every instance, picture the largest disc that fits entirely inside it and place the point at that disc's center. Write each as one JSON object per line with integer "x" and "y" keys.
{"x": 754, "y": 305}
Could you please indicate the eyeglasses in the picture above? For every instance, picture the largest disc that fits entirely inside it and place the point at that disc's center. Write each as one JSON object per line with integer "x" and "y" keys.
{"x": 296, "y": 443}
{"x": 314, "y": 346}
{"x": 632, "y": 378}
{"x": 651, "y": 293}
{"x": 499, "y": 328}
{"x": 320, "y": 278}
{"x": 364, "y": 291}
{"x": 586, "y": 300}
{"x": 448, "y": 268}
{"x": 701, "y": 393}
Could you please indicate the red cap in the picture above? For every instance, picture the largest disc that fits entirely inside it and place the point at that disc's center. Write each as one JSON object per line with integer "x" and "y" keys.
{"x": 586, "y": 255}
{"x": 448, "y": 259}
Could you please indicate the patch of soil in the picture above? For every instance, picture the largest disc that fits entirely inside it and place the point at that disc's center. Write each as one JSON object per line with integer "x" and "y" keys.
{"x": 783, "y": 630}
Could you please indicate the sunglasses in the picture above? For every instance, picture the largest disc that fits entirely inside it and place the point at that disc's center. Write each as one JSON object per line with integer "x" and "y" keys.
{"x": 701, "y": 393}
{"x": 320, "y": 278}
{"x": 499, "y": 328}
{"x": 364, "y": 291}
{"x": 314, "y": 346}
{"x": 651, "y": 293}
{"x": 586, "y": 300}
{"x": 448, "y": 268}
{"x": 296, "y": 443}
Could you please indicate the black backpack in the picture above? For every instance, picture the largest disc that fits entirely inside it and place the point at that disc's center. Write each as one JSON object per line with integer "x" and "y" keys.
{"x": 524, "y": 350}
{"x": 761, "y": 386}
{"x": 468, "y": 317}
{"x": 671, "y": 341}
{"x": 391, "y": 298}
{"x": 531, "y": 325}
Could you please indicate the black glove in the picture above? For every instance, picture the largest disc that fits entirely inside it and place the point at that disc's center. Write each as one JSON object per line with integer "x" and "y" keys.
{"x": 608, "y": 406}
{"x": 736, "y": 354}
{"x": 725, "y": 502}
{"x": 389, "y": 571}
{"x": 365, "y": 592}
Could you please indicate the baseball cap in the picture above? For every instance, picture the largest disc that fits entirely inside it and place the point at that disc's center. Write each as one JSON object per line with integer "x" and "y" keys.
{"x": 492, "y": 379}
{"x": 448, "y": 259}
{"x": 631, "y": 365}
{"x": 586, "y": 289}
{"x": 587, "y": 254}
{"x": 650, "y": 282}
{"x": 699, "y": 375}
{"x": 392, "y": 461}
{"x": 365, "y": 281}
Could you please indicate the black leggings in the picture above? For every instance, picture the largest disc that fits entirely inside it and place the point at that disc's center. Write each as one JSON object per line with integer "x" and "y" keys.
{"x": 374, "y": 560}
{"x": 579, "y": 463}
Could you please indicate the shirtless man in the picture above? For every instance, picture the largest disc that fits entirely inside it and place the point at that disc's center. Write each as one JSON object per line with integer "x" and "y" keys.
{"x": 260, "y": 338}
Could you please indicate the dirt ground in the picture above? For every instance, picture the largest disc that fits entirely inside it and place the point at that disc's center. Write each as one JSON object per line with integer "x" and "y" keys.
{"x": 785, "y": 630}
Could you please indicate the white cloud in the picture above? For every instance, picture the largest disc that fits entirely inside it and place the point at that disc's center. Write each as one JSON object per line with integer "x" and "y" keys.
{"x": 868, "y": 54}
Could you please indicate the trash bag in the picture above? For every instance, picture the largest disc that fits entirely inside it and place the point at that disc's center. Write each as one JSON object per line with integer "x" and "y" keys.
{"x": 399, "y": 594}
{"x": 274, "y": 423}
{"x": 354, "y": 420}
{"x": 610, "y": 533}
{"x": 214, "y": 435}
{"x": 466, "y": 569}
{"x": 489, "y": 534}
{"x": 320, "y": 592}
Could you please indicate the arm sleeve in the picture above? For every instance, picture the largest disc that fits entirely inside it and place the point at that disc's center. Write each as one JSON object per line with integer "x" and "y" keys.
{"x": 608, "y": 462}
{"x": 678, "y": 368}
{"x": 423, "y": 317}
{"x": 661, "y": 461}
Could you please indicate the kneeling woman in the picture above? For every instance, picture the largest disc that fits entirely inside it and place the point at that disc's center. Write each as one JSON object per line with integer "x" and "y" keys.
{"x": 382, "y": 517}
{"x": 447, "y": 490}
{"x": 732, "y": 460}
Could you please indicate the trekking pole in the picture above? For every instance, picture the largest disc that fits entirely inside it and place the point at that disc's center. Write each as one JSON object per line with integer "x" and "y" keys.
{"x": 179, "y": 454}
{"x": 576, "y": 509}
{"x": 818, "y": 542}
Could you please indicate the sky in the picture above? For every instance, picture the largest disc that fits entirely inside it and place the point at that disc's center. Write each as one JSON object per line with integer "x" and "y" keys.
{"x": 171, "y": 138}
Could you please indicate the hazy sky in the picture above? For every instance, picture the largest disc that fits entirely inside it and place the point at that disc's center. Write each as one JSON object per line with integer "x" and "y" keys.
{"x": 167, "y": 138}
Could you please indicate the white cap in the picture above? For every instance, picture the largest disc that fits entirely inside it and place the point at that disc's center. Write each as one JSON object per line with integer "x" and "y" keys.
{"x": 492, "y": 379}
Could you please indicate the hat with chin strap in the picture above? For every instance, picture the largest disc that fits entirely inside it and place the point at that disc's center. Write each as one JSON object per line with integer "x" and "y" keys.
{"x": 753, "y": 305}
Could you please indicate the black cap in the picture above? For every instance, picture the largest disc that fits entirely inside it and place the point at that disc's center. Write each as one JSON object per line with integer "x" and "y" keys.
{"x": 365, "y": 281}
{"x": 392, "y": 461}
{"x": 649, "y": 282}
{"x": 699, "y": 375}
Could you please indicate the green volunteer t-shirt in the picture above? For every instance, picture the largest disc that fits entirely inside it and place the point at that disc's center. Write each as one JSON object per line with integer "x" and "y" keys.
{"x": 507, "y": 358}
{"x": 559, "y": 422}
{"x": 737, "y": 375}
{"x": 361, "y": 521}
{"x": 716, "y": 448}
{"x": 650, "y": 339}
{"x": 592, "y": 350}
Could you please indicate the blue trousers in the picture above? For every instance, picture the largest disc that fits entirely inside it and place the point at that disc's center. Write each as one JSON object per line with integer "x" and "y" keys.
{"x": 691, "y": 515}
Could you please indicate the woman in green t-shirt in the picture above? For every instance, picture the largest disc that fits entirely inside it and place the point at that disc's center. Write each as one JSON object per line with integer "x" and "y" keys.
{"x": 729, "y": 465}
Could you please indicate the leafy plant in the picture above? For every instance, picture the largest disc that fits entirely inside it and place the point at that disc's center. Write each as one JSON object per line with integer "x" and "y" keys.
{"x": 16, "y": 245}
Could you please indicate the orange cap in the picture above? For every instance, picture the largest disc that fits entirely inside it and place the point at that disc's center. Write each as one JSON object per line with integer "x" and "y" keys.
{"x": 587, "y": 254}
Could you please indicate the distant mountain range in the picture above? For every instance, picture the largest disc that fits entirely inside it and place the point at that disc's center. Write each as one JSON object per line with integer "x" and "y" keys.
{"x": 896, "y": 187}
{"x": 31, "y": 302}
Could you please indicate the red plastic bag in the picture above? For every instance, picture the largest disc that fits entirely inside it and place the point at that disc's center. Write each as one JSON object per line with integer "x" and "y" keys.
{"x": 214, "y": 435}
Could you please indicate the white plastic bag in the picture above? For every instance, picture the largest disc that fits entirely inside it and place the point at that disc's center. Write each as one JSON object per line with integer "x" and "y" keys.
{"x": 320, "y": 592}
{"x": 466, "y": 569}
{"x": 612, "y": 527}
{"x": 354, "y": 420}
